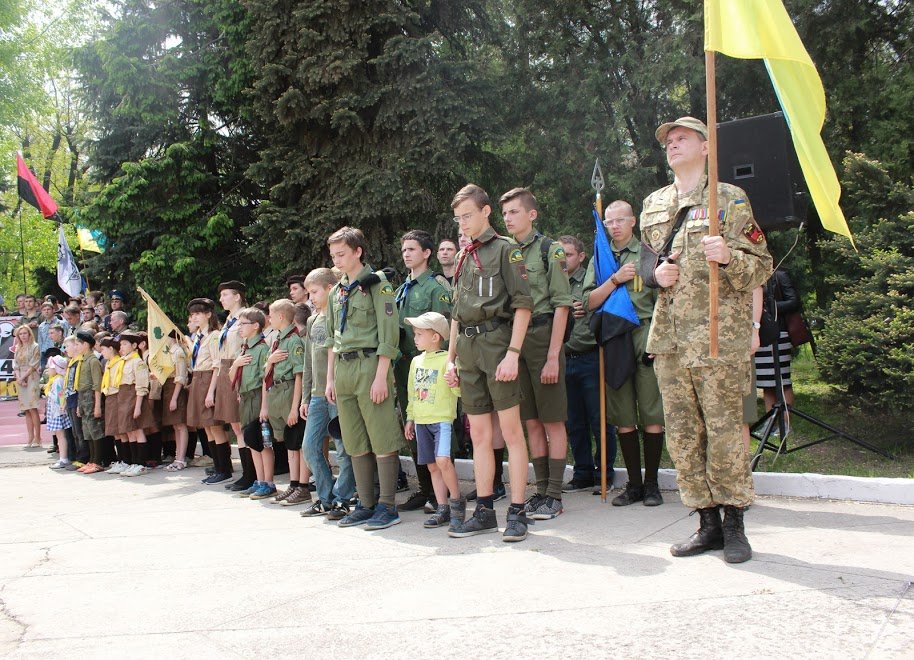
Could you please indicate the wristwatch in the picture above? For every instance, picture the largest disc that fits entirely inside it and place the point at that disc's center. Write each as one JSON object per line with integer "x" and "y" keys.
{"x": 756, "y": 325}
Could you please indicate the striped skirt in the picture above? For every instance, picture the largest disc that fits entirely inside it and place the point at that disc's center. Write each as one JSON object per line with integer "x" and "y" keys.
{"x": 764, "y": 363}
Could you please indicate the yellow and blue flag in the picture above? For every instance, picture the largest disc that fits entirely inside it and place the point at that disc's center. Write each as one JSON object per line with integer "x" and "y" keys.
{"x": 757, "y": 29}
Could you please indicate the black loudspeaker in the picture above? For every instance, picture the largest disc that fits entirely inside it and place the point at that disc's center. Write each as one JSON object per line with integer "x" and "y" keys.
{"x": 757, "y": 155}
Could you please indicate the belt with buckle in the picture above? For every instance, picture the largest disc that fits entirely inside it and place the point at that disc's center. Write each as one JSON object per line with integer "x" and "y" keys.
{"x": 577, "y": 354}
{"x": 539, "y": 319}
{"x": 473, "y": 330}
{"x": 277, "y": 383}
{"x": 355, "y": 355}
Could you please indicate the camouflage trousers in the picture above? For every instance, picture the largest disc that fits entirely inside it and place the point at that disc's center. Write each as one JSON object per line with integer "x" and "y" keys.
{"x": 703, "y": 414}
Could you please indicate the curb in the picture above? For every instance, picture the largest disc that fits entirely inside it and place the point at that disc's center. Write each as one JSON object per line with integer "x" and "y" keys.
{"x": 881, "y": 490}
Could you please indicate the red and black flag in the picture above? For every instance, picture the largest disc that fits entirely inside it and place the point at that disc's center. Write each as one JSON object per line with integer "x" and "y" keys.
{"x": 32, "y": 192}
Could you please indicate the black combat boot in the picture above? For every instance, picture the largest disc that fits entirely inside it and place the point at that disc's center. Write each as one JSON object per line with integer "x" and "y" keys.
{"x": 736, "y": 545}
{"x": 708, "y": 537}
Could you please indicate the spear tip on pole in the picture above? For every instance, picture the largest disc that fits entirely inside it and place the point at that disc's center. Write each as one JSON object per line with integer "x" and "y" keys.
{"x": 596, "y": 179}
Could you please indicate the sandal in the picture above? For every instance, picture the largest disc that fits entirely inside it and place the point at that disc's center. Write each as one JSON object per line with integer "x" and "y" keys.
{"x": 176, "y": 466}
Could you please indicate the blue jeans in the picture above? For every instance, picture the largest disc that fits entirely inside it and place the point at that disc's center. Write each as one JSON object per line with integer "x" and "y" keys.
{"x": 320, "y": 412}
{"x": 582, "y": 380}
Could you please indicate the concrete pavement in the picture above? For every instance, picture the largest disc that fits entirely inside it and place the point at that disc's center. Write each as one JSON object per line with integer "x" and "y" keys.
{"x": 101, "y": 566}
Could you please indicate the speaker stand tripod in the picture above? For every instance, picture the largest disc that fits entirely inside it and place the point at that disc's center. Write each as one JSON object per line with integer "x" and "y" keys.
{"x": 777, "y": 419}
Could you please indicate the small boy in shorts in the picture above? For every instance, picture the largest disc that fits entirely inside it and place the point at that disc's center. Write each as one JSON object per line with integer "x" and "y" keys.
{"x": 431, "y": 411}
{"x": 246, "y": 374}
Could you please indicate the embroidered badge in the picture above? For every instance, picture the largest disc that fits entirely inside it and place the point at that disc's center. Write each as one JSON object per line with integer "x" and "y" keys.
{"x": 444, "y": 298}
{"x": 387, "y": 289}
{"x": 558, "y": 254}
{"x": 516, "y": 257}
{"x": 753, "y": 233}
{"x": 299, "y": 351}
{"x": 563, "y": 265}
{"x": 522, "y": 269}
{"x": 389, "y": 309}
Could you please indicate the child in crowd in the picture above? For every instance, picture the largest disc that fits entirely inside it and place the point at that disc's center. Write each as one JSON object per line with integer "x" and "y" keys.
{"x": 174, "y": 400}
{"x": 110, "y": 385}
{"x": 331, "y": 501}
{"x": 431, "y": 411}
{"x": 57, "y": 418}
{"x": 282, "y": 391}
{"x": 134, "y": 408}
{"x": 87, "y": 383}
{"x": 246, "y": 374}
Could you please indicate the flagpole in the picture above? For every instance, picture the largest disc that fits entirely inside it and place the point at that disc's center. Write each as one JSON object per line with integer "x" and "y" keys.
{"x": 713, "y": 220}
{"x": 25, "y": 286}
{"x": 602, "y": 397}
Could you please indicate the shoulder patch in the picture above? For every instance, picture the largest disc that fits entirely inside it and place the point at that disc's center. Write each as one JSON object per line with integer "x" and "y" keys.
{"x": 558, "y": 253}
{"x": 516, "y": 256}
{"x": 753, "y": 233}
{"x": 389, "y": 308}
{"x": 445, "y": 298}
{"x": 299, "y": 350}
{"x": 387, "y": 289}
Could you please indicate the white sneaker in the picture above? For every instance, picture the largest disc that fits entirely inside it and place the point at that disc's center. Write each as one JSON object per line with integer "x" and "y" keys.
{"x": 116, "y": 468}
{"x": 129, "y": 470}
{"x": 140, "y": 470}
{"x": 59, "y": 465}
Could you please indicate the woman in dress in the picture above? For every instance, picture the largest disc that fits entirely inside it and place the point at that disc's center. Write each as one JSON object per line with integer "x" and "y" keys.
{"x": 26, "y": 370}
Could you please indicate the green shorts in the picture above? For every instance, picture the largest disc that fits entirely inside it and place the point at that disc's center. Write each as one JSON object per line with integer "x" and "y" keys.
{"x": 93, "y": 428}
{"x": 279, "y": 405}
{"x": 547, "y": 403}
{"x": 477, "y": 360}
{"x": 367, "y": 427}
{"x": 638, "y": 401}
{"x": 250, "y": 406}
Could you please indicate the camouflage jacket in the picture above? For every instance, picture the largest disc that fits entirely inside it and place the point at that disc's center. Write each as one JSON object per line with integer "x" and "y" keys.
{"x": 681, "y": 318}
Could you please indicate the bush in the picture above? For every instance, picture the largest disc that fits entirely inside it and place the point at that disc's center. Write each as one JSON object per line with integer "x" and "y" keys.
{"x": 867, "y": 344}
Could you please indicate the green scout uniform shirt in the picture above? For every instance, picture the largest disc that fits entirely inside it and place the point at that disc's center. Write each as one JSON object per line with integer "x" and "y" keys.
{"x": 90, "y": 374}
{"x": 581, "y": 339}
{"x": 550, "y": 288}
{"x": 287, "y": 369}
{"x": 317, "y": 333}
{"x": 495, "y": 289}
{"x": 371, "y": 319}
{"x": 643, "y": 298}
{"x": 252, "y": 374}
{"x": 680, "y": 323}
{"x": 427, "y": 294}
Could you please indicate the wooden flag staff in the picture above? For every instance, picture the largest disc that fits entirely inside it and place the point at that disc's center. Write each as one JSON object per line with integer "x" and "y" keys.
{"x": 598, "y": 184}
{"x": 713, "y": 213}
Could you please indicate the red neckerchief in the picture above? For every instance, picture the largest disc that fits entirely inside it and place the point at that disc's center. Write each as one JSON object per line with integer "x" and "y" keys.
{"x": 470, "y": 250}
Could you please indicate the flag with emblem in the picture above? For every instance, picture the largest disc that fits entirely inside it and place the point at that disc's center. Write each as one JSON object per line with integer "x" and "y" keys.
{"x": 750, "y": 29}
{"x": 158, "y": 327}
{"x": 613, "y": 321}
{"x": 68, "y": 276}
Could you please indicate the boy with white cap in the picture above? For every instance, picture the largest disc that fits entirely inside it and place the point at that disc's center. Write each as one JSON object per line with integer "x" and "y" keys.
{"x": 430, "y": 415}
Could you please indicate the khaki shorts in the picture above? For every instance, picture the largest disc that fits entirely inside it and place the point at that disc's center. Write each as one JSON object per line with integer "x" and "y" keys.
{"x": 279, "y": 405}
{"x": 477, "y": 360}
{"x": 366, "y": 426}
{"x": 249, "y": 408}
{"x": 638, "y": 401}
{"x": 547, "y": 403}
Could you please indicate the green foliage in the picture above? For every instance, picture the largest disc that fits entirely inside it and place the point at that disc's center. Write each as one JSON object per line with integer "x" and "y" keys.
{"x": 867, "y": 345}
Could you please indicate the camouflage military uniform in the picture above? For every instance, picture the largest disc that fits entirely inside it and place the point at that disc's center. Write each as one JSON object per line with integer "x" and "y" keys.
{"x": 702, "y": 397}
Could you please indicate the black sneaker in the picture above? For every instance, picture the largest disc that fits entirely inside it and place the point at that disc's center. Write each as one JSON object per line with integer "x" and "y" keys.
{"x": 338, "y": 511}
{"x": 482, "y": 521}
{"x": 652, "y": 496}
{"x": 415, "y": 502}
{"x": 533, "y": 503}
{"x": 318, "y": 508}
{"x": 576, "y": 485}
{"x": 402, "y": 485}
{"x": 471, "y": 496}
{"x": 516, "y": 527}
{"x": 499, "y": 492}
{"x": 53, "y": 450}
{"x": 630, "y": 495}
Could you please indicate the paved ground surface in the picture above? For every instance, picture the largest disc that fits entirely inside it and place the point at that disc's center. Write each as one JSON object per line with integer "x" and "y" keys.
{"x": 100, "y": 566}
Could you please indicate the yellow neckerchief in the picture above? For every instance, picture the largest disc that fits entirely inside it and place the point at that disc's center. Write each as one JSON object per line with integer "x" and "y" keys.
{"x": 106, "y": 377}
{"x": 78, "y": 361}
{"x": 119, "y": 369}
{"x": 47, "y": 387}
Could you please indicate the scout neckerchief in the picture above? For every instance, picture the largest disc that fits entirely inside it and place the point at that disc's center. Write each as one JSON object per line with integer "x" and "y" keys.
{"x": 268, "y": 377}
{"x": 193, "y": 359}
{"x": 469, "y": 250}
{"x": 225, "y": 330}
{"x": 403, "y": 293}
{"x": 112, "y": 364}
{"x": 119, "y": 369}
{"x": 344, "y": 302}
{"x": 236, "y": 381}
{"x": 78, "y": 361}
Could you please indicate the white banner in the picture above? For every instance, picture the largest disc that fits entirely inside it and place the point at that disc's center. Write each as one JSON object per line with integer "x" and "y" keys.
{"x": 68, "y": 276}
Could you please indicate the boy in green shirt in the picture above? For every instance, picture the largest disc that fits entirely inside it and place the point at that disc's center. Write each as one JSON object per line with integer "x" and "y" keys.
{"x": 430, "y": 415}
{"x": 246, "y": 374}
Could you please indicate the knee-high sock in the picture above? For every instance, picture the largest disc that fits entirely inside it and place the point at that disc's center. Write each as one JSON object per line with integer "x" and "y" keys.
{"x": 631, "y": 453}
{"x": 653, "y": 448}
{"x": 226, "y": 449}
{"x": 556, "y": 475}
{"x": 363, "y": 468}
{"x": 388, "y": 466}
